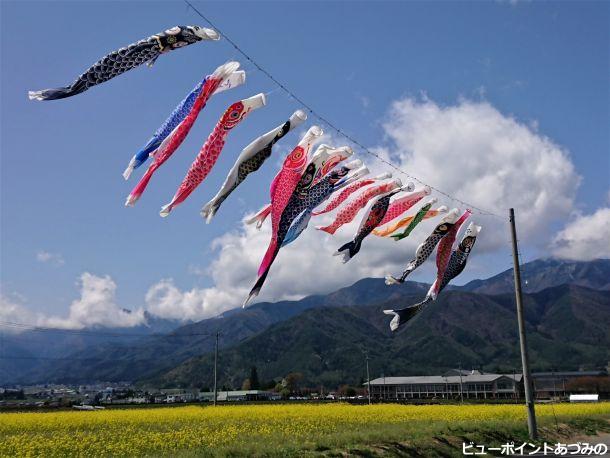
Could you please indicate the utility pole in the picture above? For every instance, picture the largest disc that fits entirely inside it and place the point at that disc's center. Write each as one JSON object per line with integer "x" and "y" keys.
{"x": 461, "y": 385}
{"x": 368, "y": 376}
{"x": 527, "y": 382}
{"x": 216, "y": 369}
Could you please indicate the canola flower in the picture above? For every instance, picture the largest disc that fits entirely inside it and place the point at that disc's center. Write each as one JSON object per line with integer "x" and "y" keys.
{"x": 207, "y": 430}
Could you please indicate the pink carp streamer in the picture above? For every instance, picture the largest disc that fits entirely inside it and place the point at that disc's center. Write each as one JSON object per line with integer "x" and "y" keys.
{"x": 260, "y": 217}
{"x": 339, "y": 198}
{"x": 443, "y": 252}
{"x": 322, "y": 162}
{"x": 283, "y": 186}
{"x": 211, "y": 149}
{"x": 349, "y": 212}
{"x": 175, "y": 139}
{"x": 401, "y": 205}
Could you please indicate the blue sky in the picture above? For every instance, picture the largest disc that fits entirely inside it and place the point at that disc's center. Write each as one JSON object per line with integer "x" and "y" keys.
{"x": 543, "y": 63}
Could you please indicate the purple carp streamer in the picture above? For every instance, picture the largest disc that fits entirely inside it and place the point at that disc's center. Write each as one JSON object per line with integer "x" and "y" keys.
{"x": 425, "y": 249}
{"x": 456, "y": 265}
{"x": 375, "y": 213}
{"x": 250, "y": 160}
{"x": 176, "y": 117}
{"x": 117, "y": 62}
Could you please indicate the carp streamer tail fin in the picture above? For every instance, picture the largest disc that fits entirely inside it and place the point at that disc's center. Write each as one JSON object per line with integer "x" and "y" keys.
{"x": 390, "y": 280}
{"x": 52, "y": 94}
{"x": 137, "y": 191}
{"x": 401, "y": 316}
{"x": 349, "y": 250}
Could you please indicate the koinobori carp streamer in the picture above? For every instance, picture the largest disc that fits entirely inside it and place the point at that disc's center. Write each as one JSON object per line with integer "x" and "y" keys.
{"x": 250, "y": 160}
{"x": 425, "y": 249}
{"x": 296, "y": 204}
{"x": 117, "y": 62}
{"x": 339, "y": 198}
{"x": 372, "y": 218}
{"x": 349, "y": 212}
{"x": 211, "y": 149}
{"x": 176, "y": 117}
{"x": 455, "y": 266}
{"x": 285, "y": 182}
{"x": 402, "y": 204}
{"x": 443, "y": 252}
{"x": 319, "y": 192}
{"x": 177, "y": 136}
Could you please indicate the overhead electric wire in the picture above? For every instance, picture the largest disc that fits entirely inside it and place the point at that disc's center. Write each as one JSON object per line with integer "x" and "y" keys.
{"x": 33, "y": 328}
{"x": 329, "y": 123}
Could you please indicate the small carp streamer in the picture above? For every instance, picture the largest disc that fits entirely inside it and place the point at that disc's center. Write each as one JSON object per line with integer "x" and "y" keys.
{"x": 297, "y": 203}
{"x": 319, "y": 192}
{"x": 211, "y": 149}
{"x": 443, "y": 253}
{"x": 455, "y": 266}
{"x": 401, "y": 205}
{"x": 176, "y": 117}
{"x": 425, "y": 249}
{"x": 348, "y": 191}
{"x": 349, "y": 212}
{"x": 412, "y": 221}
{"x": 250, "y": 160}
{"x": 372, "y": 217}
{"x": 177, "y": 136}
{"x": 143, "y": 52}
{"x": 392, "y": 227}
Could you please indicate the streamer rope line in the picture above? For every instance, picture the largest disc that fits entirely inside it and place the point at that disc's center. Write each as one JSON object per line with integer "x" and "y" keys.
{"x": 331, "y": 124}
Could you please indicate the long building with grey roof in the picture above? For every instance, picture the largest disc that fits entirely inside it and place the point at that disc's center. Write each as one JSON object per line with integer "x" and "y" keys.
{"x": 452, "y": 385}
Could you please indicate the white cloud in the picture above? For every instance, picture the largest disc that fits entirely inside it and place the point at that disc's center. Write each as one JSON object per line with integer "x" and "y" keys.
{"x": 584, "y": 238}
{"x": 53, "y": 258}
{"x": 13, "y": 311}
{"x": 96, "y": 307}
{"x": 473, "y": 151}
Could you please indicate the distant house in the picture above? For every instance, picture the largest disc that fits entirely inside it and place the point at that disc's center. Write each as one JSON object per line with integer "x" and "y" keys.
{"x": 557, "y": 384}
{"x": 240, "y": 395}
{"x": 179, "y": 395}
{"x": 453, "y": 385}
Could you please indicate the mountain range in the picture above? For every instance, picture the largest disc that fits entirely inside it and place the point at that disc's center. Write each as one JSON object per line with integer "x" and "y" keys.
{"x": 323, "y": 337}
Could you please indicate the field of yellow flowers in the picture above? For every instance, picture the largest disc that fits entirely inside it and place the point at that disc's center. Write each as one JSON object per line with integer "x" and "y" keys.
{"x": 270, "y": 430}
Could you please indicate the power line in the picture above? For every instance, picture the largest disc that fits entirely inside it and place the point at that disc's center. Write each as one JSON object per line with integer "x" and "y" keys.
{"x": 33, "y": 328}
{"x": 329, "y": 123}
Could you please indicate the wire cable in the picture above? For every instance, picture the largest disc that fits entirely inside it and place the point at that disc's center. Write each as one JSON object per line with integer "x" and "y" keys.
{"x": 331, "y": 124}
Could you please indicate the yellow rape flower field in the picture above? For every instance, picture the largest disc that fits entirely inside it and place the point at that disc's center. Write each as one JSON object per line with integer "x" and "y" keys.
{"x": 263, "y": 430}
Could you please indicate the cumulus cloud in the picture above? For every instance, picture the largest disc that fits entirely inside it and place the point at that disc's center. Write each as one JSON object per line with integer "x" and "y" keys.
{"x": 96, "y": 306}
{"x": 585, "y": 237}
{"x": 480, "y": 155}
{"x": 51, "y": 258}
{"x": 13, "y": 311}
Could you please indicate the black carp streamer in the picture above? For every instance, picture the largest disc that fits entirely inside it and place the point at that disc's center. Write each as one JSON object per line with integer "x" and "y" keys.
{"x": 142, "y": 52}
